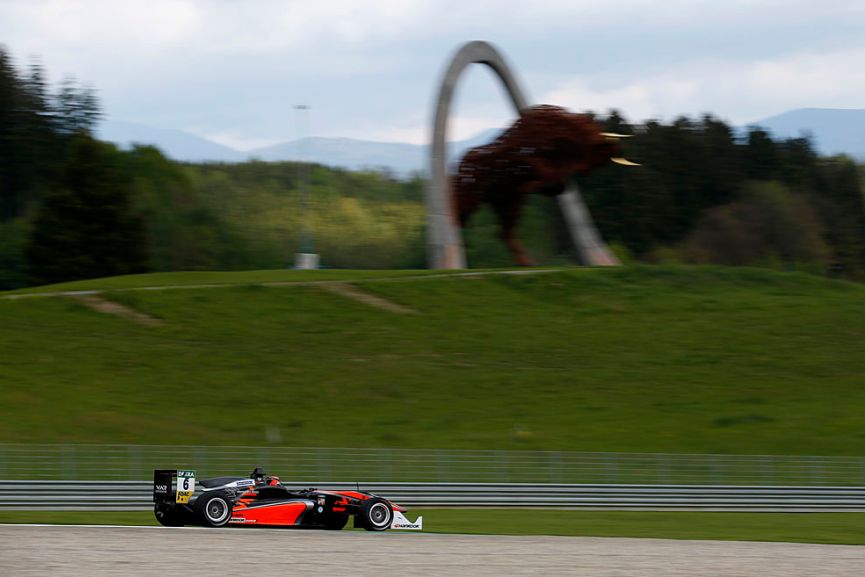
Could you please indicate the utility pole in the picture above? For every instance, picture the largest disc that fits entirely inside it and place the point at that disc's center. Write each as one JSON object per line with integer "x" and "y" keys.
{"x": 306, "y": 257}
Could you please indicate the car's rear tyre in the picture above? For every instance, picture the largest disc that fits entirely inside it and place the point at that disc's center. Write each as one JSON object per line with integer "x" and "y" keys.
{"x": 168, "y": 516}
{"x": 213, "y": 509}
{"x": 335, "y": 521}
{"x": 376, "y": 515}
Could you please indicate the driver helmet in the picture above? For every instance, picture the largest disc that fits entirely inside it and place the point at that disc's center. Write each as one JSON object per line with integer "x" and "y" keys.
{"x": 259, "y": 476}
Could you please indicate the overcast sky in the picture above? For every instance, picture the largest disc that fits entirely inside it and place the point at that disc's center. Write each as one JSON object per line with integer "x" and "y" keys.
{"x": 232, "y": 70}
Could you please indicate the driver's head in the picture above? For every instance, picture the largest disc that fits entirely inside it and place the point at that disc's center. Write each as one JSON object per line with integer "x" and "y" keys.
{"x": 258, "y": 475}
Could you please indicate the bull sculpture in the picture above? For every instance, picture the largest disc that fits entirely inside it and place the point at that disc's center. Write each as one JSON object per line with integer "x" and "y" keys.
{"x": 538, "y": 154}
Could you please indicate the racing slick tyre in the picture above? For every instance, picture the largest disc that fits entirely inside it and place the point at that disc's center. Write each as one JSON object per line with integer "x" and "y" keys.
{"x": 376, "y": 515}
{"x": 168, "y": 516}
{"x": 213, "y": 509}
{"x": 335, "y": 521}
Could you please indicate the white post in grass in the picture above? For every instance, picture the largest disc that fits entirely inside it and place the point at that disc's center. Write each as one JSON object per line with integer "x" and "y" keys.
{"x": 306, "y": 257}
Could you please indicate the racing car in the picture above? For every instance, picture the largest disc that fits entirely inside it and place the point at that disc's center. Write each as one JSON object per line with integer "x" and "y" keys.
{"x": 262, "y": 500}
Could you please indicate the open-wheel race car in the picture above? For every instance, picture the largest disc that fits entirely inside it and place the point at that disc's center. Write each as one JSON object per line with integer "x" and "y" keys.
{"x": 262, "y": 500}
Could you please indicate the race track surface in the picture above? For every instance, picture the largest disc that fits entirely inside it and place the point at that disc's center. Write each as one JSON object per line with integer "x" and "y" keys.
{"x": 90, "y": 551}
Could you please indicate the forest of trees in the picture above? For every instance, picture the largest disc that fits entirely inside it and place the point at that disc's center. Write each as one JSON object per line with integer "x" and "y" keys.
{"x": 705, "y": 195}
{"x": 65, "y": 201}
{"x": 73, "y": 207}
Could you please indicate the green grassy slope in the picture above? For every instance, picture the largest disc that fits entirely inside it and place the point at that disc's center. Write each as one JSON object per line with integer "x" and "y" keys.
{"x": 630, "y": 359}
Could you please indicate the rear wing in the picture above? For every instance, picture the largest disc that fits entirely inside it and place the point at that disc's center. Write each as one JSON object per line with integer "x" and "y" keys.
{"x": 173, "y": 485}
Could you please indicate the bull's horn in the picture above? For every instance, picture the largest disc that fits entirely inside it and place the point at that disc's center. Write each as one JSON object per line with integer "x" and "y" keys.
{"x": 624, "y": 161}
{"x": 616, "y": 135}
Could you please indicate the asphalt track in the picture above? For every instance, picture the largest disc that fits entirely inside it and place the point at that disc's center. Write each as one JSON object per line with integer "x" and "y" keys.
{"x": 91, "y": 551}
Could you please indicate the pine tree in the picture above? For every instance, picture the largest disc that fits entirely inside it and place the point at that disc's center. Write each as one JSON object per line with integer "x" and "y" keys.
{"x": 29, "y": 148}
{"x": 10, "y": 97}
{"x": 76, "y": 107}
{"x": 86, "y": 227}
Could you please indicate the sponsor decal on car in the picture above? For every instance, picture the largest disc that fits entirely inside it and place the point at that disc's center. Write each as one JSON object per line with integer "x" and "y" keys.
{"x": 400, "y": 521}
{"x": 185, "y": 486}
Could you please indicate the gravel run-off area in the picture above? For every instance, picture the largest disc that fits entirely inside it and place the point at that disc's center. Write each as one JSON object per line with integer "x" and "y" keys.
{"x": 91, "y": 551}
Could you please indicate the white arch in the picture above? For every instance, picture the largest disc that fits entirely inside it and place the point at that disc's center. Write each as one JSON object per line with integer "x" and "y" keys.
{"x": 444, "y": 240}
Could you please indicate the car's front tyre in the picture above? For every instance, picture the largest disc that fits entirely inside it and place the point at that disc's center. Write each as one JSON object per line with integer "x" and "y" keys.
{"x": 213, "y": 509}
{"x": 376, "y": 515}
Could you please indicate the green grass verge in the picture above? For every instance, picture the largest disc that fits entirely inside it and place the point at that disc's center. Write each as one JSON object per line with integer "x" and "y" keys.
{"x": 836, "y": 528}
{"x": 643, "y": 359}
{"x": 79, "y": 517}
{"x": 839, "y": 528}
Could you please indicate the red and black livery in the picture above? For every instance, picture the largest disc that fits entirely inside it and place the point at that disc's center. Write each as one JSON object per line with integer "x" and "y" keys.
{"x": 262, "y": 500}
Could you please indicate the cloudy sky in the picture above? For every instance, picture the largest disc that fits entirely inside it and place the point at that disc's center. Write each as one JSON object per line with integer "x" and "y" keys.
{"x": 232, "y": 70}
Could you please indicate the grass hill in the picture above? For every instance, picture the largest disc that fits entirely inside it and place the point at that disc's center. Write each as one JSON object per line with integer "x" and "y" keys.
{"x": 627, "y": 359}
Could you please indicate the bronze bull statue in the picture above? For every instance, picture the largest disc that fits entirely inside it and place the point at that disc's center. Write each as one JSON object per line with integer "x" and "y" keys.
{"x": 538, "y": 154}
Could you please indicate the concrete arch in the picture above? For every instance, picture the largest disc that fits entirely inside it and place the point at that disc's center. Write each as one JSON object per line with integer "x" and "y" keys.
{"x": 444, "y": 240}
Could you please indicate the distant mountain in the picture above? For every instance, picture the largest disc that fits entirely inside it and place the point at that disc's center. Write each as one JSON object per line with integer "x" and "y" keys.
{"x": 175, "y": 144}
{"x": 833, "y": 130}
{"x": 356, "y": 154}
{"x": 349, "y": 153}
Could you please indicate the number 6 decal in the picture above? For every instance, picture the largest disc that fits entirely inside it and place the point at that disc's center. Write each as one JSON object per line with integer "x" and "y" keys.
{"x": 186, "y": 486}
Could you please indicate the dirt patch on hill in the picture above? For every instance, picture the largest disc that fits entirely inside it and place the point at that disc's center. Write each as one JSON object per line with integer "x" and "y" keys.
{"x": 103, "y": 305}
{"x": 354, "y": 293}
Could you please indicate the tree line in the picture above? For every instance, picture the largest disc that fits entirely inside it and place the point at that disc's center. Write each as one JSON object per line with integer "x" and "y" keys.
{"x": 74, "y": 207}
{"x": 706, "y": 194}
{"x": 65, "y": 201}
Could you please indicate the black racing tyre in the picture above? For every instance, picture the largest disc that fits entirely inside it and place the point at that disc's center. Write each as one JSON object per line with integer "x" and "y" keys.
{"x": 213, "y": 509}
{"x": 376, "y": 514}
{"x": 335, "y": 521}
{"x": 168, "y": 516}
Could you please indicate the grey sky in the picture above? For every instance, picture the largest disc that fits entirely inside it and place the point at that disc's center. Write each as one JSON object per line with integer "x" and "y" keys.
{"x": 231, "y": 70}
